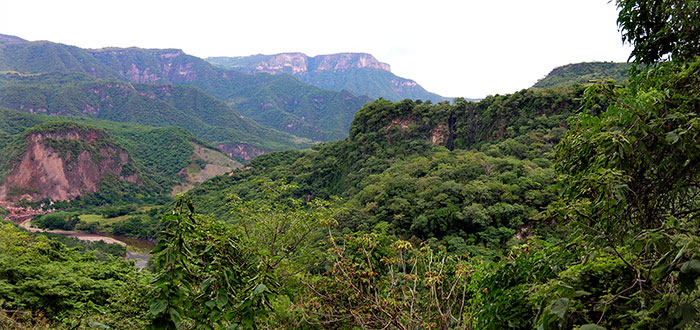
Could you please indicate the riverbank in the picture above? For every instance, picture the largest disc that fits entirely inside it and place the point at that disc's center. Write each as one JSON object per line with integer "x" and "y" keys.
{"x": 26, "y": 224}
{"x": 136, "y": 249}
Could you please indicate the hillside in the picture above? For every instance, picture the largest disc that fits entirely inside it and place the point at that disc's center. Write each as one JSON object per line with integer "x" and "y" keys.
{"x": 285, "y": 104}
{"x": 574, "y": 207}
{"x": 62, "y": 158}
{"x": 188, "y": 107}
{"x": 358, "y": 73}
{"x": 582, "y": 73}
{"x": 422, "y": 168}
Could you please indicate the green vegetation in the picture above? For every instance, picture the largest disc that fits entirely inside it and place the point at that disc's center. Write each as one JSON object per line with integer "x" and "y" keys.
{"x": 566, "y": 208}
{"x": 79, "y": 95}
{"x": 660, "y": 29}
{"x": 375, "y": 83}
{"x": 389, "y": 171}
{"x": 125, "y": 220}
{"x": 156, "y": 155}
{"x": 57, "y": 220}
{"x": 584, "y": 73}
{"x": 291, "y": 106}
{"x": 44, "y": 282}
{"x": 102, "y": 250}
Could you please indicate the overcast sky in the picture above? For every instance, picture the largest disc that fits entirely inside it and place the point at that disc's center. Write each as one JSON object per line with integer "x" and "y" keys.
{"x": 451, "y": 47}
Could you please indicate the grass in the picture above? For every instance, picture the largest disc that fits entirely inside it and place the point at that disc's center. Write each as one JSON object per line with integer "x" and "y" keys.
{"x": 90, "y": 218}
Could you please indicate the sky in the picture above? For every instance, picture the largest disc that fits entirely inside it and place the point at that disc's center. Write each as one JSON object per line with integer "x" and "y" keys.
{"x": 453, "y": 48}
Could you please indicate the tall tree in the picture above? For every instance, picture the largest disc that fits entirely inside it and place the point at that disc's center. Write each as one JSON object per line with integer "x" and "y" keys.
{"x": 660, "y": 29}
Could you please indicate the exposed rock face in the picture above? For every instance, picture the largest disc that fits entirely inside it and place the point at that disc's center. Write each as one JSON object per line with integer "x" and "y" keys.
{"x": 242, "y": 151}
{"x": 442, "y": 134}
{"x": 216, "y": 163}
{"x": 359, "y": 73}
{"x": 45, "y": 172}
{"x": 344, "y": 61}
{"x": 149, "y": 66}
{"x": 300, "y": 64}
{"x": 439, "y": 135}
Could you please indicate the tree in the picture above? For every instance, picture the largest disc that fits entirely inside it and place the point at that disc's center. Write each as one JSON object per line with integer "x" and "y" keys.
{"x": 659, "y": 29}
{"x": 639, "y": 161}
{"x": 215, "y": 273}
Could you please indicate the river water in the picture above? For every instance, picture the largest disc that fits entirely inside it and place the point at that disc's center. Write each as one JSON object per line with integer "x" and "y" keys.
{"x": 136, "y": 249}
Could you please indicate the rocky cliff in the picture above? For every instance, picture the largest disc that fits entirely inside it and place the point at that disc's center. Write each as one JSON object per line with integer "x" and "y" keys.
{"x": 64, "y": 161}
{"x": 359, "y": 73}
{"x": 301, "y": 64}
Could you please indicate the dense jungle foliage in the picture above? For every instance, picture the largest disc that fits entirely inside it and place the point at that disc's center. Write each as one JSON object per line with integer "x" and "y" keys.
{"x": 567, "y": 208}
{"x": 291, "y": 106}
{"x": 584, "y": 73}
{"x": 79, "y": 95}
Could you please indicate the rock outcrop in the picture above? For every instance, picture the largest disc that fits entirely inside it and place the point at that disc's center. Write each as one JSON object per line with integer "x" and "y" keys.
{"x": 301, "y": 64}
{"x": 62, "y": 163}
{"x": 359, "y": 73}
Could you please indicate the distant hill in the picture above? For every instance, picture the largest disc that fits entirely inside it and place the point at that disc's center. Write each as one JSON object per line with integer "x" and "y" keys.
{"x": 276, "y": 101}
{"x": 359, "y": 73}
{"x": 63, "y": 158}
{"x": 583, "y": 73}
{"x": 76, "y": 94}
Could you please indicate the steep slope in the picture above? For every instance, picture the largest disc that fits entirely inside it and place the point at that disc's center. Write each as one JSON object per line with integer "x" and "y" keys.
{"x": 61, "y": 158}
{"x": 359, "y": 73}
{"x": 288, "y": 105}
{"x": 156, "y": 105}
{"x": 466, "y": 172}
{"x": 20, "y": 55}
{"x": 62, "y": 161}
{"x": 581, "y": 73}
{"x": 276, "y": 101}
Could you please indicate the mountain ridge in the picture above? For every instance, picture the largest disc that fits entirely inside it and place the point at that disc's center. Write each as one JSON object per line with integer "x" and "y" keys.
{"x": 62, "y": 158}
{"x": 76, "y": 94}
{"x": 359, "y": 73}
{"x": 584, "y": 72}
{"x": 287, "y": 105}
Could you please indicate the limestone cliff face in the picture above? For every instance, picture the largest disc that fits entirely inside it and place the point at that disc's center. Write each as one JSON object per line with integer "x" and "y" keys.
{"x": 149, "y": 66}
{"x": 344, "y": 61}
{"x": 64, "y": 164}
{"x": 300, "y": 64}
{"x": 358, "y": 73}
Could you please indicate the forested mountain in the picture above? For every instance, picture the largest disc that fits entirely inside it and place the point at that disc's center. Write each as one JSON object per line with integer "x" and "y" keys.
{"x": 359, "y": 73}
{"x": 574, "y": 207}
{"x": 276, "y": 101}
{"x": 582, "y": 73}
{"x": 470, "y": 172}
{"x": 76, "y": 94}
{"x": 61, "y": 158}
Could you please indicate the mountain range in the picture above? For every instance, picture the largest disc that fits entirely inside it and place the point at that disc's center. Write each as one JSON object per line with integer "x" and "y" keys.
{"x": 277, "y": 101}
{"x": 359, "y": 73}
{"x": 243, "y": 106}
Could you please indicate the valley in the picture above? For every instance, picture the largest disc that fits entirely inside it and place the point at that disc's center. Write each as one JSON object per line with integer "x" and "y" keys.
{"x": 145, "y": 188}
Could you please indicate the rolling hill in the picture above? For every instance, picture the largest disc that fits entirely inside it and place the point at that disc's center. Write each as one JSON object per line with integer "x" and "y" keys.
{"x": 581, "y": 73}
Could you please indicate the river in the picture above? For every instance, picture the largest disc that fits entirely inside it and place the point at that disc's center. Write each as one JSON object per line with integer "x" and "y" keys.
{"x": 134, "y": 247}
